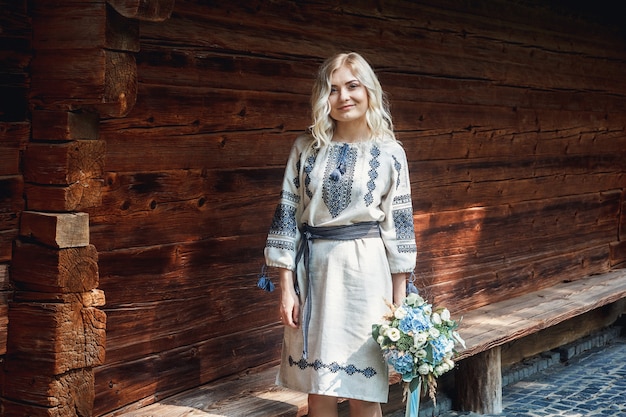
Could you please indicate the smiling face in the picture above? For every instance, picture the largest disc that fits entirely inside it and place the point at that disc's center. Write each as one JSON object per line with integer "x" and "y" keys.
{"x": 348, "y": 97}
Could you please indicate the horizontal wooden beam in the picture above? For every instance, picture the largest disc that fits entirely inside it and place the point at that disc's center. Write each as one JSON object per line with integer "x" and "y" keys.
{"x": 71, "y": 270}
{"x": 57, "y": 230}
{"x": 64, "y": 163}
{"x": 64, "y": 125}
{"x": 150, "y": 10}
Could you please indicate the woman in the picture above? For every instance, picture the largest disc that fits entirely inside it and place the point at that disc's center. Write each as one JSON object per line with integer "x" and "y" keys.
{"x": 343, "y": 239}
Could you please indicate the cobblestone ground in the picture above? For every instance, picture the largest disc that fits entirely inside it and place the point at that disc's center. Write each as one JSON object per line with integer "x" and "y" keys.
{"x": 590, "y": 384}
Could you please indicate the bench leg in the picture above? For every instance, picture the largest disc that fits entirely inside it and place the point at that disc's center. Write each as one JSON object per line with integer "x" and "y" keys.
{"x": 479, "y": 382}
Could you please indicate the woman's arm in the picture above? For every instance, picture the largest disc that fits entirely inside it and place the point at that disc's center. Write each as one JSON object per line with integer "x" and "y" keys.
{"x": 399, "y": 287}
{"x": 289, "y": 301}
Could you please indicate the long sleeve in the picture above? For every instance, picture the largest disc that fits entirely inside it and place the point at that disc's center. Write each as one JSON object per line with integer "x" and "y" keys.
{"x": 397, "y": 229}
{"x": 284, "y": 233}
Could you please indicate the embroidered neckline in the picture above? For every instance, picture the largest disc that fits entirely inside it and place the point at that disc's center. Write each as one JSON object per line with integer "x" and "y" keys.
{"x": 341, "y": 164}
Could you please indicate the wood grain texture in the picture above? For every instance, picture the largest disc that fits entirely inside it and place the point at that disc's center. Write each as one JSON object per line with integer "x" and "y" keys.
{"x": 511, "y": 115}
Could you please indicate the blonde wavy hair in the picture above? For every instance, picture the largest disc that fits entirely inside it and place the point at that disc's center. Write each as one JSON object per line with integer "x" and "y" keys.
{"x": 377, "y": 116}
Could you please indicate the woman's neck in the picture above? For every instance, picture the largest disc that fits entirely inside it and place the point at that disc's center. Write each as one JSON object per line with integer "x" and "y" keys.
{"x": 351, "y": 134}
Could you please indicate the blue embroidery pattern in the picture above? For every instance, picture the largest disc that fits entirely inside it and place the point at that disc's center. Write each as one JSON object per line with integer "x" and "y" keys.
{"x": 402, "y": 199}
{"x": 284, "y": 221}
{"x": 286, "y": 195}
{"x": 296, "y": 180}
{"x": 398, "y": 166}
{"x": 332, "y": 367}
{"x": 308, "y": 167}
{"x": 336, "y": 194}
{"x": 281, "y": 244}
{"x": 373, "y": 174}
{"x": 407, "y": 248}
{"x": 403, "y": 222}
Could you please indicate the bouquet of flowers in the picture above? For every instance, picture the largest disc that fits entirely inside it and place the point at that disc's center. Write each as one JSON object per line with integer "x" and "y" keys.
{"x": 419, "y": 343}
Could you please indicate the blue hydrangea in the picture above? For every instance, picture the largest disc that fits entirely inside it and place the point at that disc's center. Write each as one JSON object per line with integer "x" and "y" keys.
{"x": 415, "y": 321}
{"x": 403, "y": 364}
{"x": 441, "y": 346}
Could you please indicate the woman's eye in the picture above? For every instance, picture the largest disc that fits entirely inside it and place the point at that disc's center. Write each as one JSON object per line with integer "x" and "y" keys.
{"x": 353, "y": 86}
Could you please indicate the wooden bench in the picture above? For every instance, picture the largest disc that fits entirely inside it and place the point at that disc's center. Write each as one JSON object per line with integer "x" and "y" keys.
{"x": 478, "y": 376}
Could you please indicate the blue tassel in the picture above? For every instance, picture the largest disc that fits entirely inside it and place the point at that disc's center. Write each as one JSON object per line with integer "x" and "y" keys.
{"x": 265, "y": 283}
{"x": 335, "y": 175}
{"x": 410, "y": 286}
{"x": 341, "y": 165}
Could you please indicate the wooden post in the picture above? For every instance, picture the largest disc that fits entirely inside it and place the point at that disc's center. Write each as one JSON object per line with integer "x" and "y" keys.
{"x": 479, "y": 382}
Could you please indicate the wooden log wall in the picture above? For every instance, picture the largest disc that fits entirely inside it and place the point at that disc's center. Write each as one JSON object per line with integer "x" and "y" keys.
{"x": 60, "y": 79}
{"x": 512, "y": 115}
{"x": 15, "y": 55}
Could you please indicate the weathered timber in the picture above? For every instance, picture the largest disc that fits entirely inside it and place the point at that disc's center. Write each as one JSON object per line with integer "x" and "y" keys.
{"x": 5, "y": 294}
{"x": 622, "y": 219}
{"x": 93, "y": 25}
{"x": 445, "y": 55}
{"x": 58, "y": 230}
{"x": 92, "y": 298}
{"x": 13, "y": 139}
{"x": 4, "y": 277}
{"x": 122, "y": 33}
{"x": 93, "y": 77}
{"x": 64, "y": 163}
{"x": 561, "y": 334}
{"x": 150, "y": 10}
{"x": 221, "y": 151}
{"x": 54, "y": 338}
{"x": 11, "y": 203}
{"x": 173, "y": 371}
{"x": 77, "y": 196}
{"x": 15, "y": 56}
{"x": 64, "y": 125}
{"x": 480, "y": 383}
{"x": 475, "y": 288}
{"x": 516, "y": 317}
{"x": 618, "y": 253}
{"x": 120, "y": 88}
{"x": 486, "y": 328}
{"x": 33, "y": 394}
{"x": 56, "y": 270}
{"x": 197, "y": 110}
{"x": 52, "y": 31}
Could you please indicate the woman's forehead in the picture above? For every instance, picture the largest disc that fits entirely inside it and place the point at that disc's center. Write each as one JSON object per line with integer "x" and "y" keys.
{"x": 342, "y": 75}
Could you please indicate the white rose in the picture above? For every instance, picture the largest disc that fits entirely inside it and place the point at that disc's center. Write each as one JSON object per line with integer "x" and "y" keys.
{"x": 380, "y": 339}
{"x": 400, "y": 313}
{"x": 428, "y": 310}
{"x": 393, "y": 334}
{"x": 449, "y": 362}
{"x": 424, "y": 369}
{"x": 414, "y": 300}
{"x": 434, "y": 332}
{"x": 445, "y": 315}
{"x": 439, "y": 370}
{"x": 421, "y": 354}
{"x": 420, "y": 339}
{"x": 436, "y": 319}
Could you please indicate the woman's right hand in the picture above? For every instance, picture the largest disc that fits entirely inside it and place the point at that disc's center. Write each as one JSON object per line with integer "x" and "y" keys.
{"x": 289, "y": 301}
